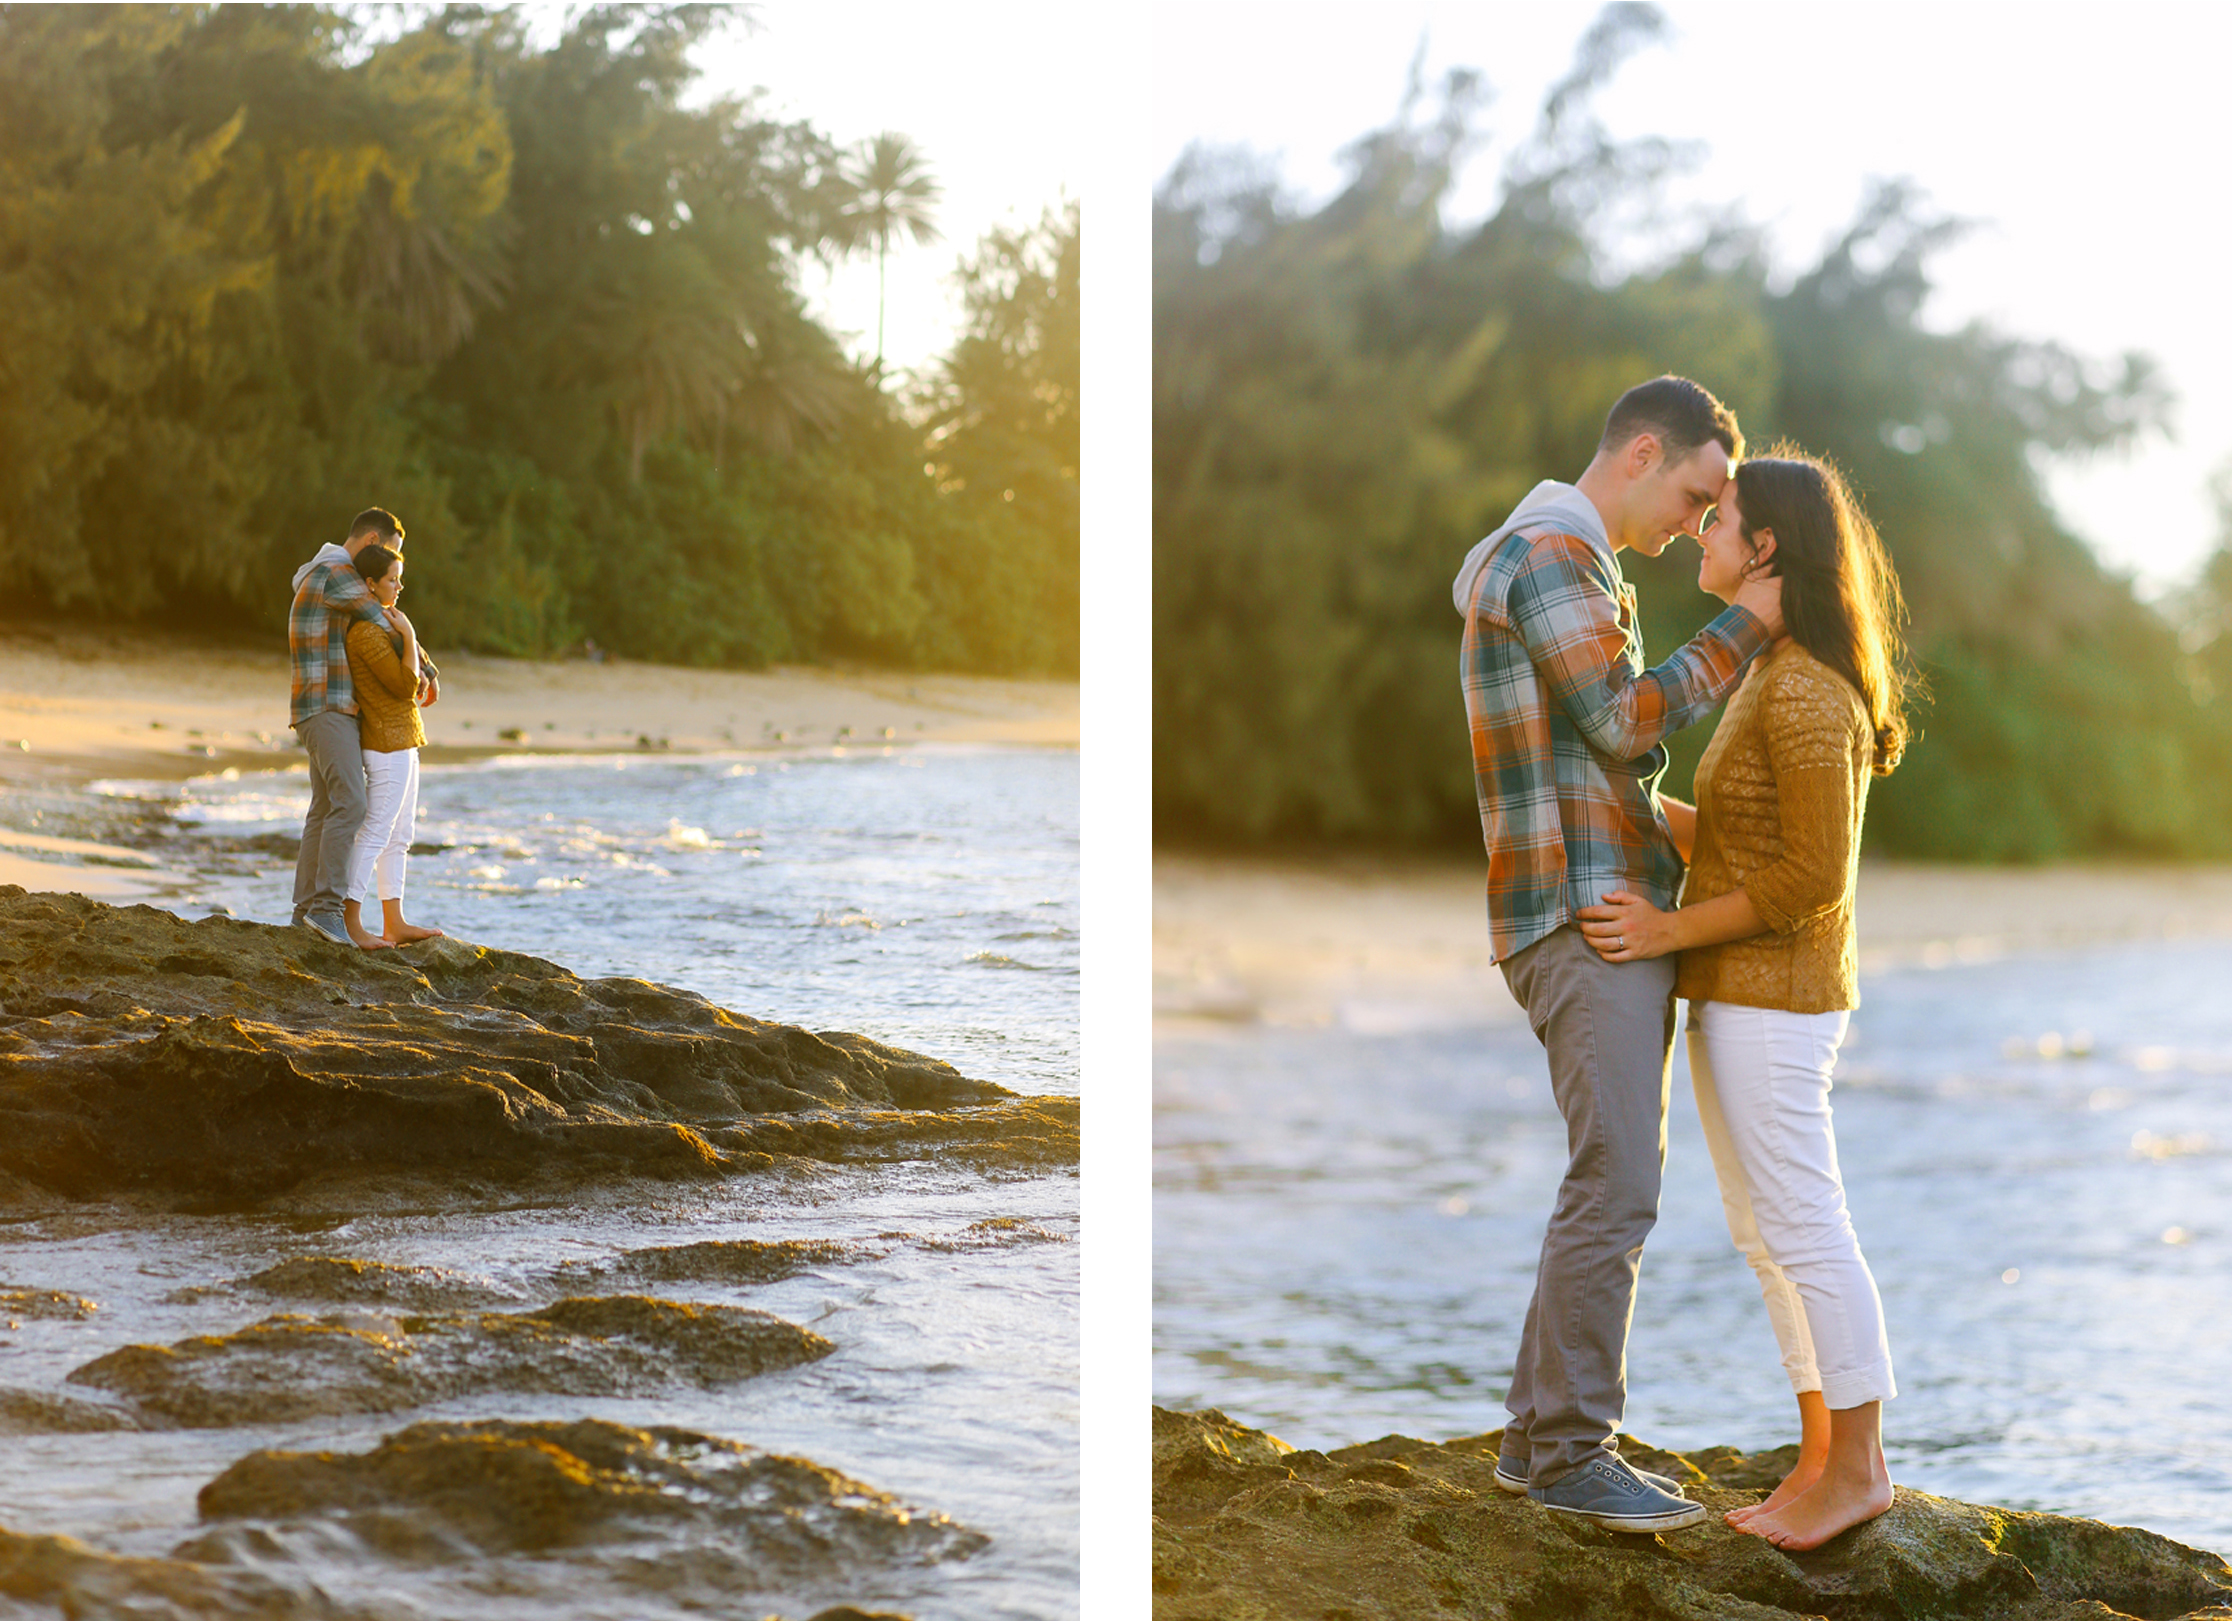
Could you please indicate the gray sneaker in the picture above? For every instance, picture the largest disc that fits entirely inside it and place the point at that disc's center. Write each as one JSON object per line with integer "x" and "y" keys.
{"x": 1606, "y": 1492}
{"x": 331, "y": 927}
{"x": 1516, "y": 1484}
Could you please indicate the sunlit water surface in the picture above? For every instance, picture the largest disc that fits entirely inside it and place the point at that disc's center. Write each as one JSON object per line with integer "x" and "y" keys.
{"x": 2035, "y": 1154}
{"x": 927, "y": 897}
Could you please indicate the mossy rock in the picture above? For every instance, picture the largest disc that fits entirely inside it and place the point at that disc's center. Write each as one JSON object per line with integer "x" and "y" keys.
{"x": 1247, "y": 1528}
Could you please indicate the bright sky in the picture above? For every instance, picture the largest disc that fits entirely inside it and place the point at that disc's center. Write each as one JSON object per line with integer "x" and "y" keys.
{"x": 2085, "y": 139}
{"x": 985, "y": 88}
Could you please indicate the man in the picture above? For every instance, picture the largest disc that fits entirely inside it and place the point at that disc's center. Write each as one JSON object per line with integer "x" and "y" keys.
{"x": 330, "y": 596}
{"x": 1566, "y": 732}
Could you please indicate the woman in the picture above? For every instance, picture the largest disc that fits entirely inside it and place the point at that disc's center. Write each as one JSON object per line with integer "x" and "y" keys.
{"x": 383, "y": 664}
{"x": 1768, "y": 960}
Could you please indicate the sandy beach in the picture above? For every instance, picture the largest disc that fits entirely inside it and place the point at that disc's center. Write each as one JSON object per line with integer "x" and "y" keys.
{"x": 80, "y": 703}
{"x": 1379, "y": 945}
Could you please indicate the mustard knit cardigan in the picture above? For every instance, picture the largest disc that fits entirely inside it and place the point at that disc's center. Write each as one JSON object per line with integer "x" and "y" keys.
{"x": 1780, "y": 792}
{"x": 386, "y": 693}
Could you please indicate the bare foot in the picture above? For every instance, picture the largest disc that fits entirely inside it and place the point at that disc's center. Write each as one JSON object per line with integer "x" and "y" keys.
{"x": 404, "y": 933}
{"x": 352, "y": 919}
{"x": 1799, "y": 1480}
{"x": 1830, "y": 1506}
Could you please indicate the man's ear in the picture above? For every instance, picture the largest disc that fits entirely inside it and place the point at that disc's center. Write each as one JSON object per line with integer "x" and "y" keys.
{"x": 1643, "y": 453}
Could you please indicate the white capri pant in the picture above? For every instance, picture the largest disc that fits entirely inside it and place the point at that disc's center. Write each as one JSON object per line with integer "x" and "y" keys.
{"x": 383, "y": 843}
{"x": 1761, "y": 1077}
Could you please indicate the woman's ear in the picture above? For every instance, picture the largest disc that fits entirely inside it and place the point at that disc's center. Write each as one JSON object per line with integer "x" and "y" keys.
{"x": 1763, "y": 547}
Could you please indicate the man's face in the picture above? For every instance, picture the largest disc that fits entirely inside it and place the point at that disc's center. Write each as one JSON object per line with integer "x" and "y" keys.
{"x": 1671, "y": 498}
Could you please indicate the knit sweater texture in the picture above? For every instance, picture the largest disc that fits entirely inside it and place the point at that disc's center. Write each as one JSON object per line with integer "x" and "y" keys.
{"x": 1780, "y": 792}
{"x": 386, "y": 693}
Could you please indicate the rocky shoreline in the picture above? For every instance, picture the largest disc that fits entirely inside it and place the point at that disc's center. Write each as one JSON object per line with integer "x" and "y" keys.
{"x": 219, "y": 1064}
{"x": 1247, "y": 1528}
{"x": 156, "y": 1071}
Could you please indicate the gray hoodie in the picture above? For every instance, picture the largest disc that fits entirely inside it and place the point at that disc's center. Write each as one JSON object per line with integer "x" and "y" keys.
{"x": 328, "y": 553}
{"x": 1548, "y": 506}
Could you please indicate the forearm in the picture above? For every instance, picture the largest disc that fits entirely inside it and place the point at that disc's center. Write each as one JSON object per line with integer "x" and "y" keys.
{"x": 1681, "y": 825}
{"x": 1581, "y": 648}
{"x": 1710, "y": 923}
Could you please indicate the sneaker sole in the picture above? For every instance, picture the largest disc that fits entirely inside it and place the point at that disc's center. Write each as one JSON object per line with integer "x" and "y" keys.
{"x": 1505, "y": 1483}
{"x": 1673, "y": 1520}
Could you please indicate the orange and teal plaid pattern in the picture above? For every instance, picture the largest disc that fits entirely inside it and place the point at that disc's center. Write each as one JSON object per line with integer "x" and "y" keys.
{"x": 1568, "y": 730}
{"x": 331, "y": 599}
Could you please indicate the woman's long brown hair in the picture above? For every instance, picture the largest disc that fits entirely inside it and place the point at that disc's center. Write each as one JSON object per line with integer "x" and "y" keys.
{"x": 1841, "y": 600}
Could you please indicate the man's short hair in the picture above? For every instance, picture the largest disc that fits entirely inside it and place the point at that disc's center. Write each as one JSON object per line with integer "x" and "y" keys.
{"x": 1681, "y": 413}
{"x": 381, "y": 522}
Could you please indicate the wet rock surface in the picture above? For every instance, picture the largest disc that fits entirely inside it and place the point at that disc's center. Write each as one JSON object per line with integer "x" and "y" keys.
{"x": 995, "y": 1233}
{"x": 216, "y": 1064}
{"x": 291, "y": 1366}
{"x": 731, "y": 1261}
{"x": 1249, "y": 1529}
{"x": 339, "y": 1280}
{"x": 40, "y": 1412}
{"x": 450, "y": 1491}
{"x": 343, "y": 1280}
{"x": 63, "y": 1576}
{"x": 45, "y": 1303}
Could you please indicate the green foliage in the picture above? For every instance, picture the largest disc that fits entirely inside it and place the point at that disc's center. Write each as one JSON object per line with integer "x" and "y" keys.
{"x": 1004, "y": 438}
{"x": 1347, "y": 396}
{"x": 258, "y": 272}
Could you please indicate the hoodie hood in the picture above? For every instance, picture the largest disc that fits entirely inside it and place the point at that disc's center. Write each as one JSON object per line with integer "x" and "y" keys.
{"x": 328, "y": 553}
{"x": 1549, "y": 505}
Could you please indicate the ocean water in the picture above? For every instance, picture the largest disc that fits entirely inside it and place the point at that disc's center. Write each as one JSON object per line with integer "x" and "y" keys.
{"x": 927, "y": 897}
{"x": 2035, "y": 1154}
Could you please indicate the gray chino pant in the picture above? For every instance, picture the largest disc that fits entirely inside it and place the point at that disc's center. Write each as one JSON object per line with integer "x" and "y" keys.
{"x": 336, "y": 812}
{"x": 1609, "y": 1031}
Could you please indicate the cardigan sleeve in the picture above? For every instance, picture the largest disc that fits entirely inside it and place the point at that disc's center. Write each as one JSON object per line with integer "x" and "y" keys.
{"x": 372, "y": 654}
{"x": 1817, "y": 742}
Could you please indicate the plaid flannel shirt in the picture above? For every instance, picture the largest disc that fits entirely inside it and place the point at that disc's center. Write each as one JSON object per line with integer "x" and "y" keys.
{"x": 329, "y": 600}
{"x": 1568, "y": 730}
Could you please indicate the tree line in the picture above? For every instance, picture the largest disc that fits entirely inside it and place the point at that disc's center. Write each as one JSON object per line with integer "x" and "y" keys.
{"x": 259, "y": 270}
{"x": 1346, "y": 396}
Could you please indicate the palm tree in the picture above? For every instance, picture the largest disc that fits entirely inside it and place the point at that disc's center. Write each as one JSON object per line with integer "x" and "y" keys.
{"x": 894, "y": 196}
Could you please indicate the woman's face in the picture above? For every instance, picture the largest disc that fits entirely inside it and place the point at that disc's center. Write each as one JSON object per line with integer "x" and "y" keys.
{"x": 1723, "y": 550}
{"x": 388, "y": 584}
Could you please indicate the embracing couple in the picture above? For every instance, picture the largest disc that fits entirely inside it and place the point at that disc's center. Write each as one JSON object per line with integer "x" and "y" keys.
{"x": 360, "y": 677}
{"x": 1598, "y": 934}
